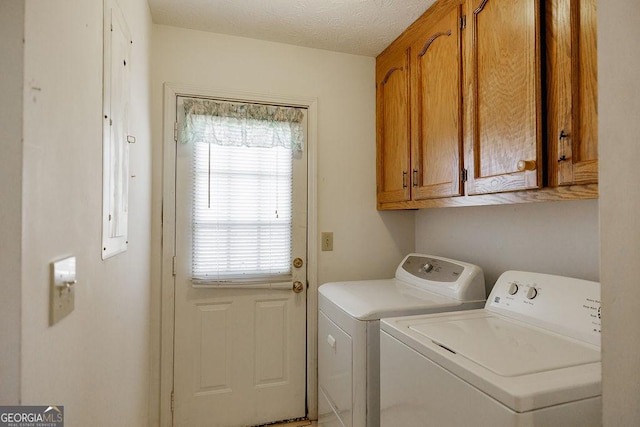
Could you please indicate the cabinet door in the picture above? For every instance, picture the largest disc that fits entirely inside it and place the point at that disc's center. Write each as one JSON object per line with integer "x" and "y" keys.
{"x": 502, "y": 78}
{"x": 573, "y": 92}
{"x": 392, "y": 116}
{"x": 436, "y": 64}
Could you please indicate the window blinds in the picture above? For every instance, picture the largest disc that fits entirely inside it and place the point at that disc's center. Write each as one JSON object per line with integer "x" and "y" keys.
{"x": 241, "y": 201}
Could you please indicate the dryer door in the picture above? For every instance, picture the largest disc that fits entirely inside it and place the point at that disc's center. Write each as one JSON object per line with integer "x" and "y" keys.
{"x": 335, "y": 371}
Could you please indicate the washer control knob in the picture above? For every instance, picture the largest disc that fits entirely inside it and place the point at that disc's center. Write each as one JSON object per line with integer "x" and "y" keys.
{"x": 427, "y": 267}
{"x": 513, "y": 289}
{"x": 532, "y": 293}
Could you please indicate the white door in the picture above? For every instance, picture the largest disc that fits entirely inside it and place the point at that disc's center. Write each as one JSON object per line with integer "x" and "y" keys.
{"x": 239, "y": 348}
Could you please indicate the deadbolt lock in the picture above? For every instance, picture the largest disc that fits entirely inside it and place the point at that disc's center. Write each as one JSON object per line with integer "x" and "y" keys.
{"x": 297, "y": 287}
{"x": 297, "y": 263}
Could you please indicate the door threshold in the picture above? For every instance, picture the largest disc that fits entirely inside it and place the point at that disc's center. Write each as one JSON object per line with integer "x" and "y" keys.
{"x": 297, "y": 423}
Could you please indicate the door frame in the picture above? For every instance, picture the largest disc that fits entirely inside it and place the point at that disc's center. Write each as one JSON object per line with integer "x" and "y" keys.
{"x": 167, "y": 305}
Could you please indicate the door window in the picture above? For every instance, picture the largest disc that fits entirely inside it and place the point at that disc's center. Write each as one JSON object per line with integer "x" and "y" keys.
{"x": 242, "y": 190}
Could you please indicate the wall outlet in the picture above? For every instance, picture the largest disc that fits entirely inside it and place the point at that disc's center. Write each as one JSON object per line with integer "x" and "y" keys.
{"x": 327, "y": 240}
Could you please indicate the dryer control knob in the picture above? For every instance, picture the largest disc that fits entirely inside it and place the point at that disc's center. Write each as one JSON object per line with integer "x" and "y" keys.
{"x": 427, "y": 267}
{"x": 532, "y": 293}
{"x": 513, "y": 289}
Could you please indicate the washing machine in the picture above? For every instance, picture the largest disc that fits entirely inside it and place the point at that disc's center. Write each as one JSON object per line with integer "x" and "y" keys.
{"x": 530, "y": 357}
{"x": 349, "y": 329}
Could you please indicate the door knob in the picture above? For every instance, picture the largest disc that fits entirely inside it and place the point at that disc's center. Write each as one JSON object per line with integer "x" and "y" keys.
{"x": 297, "y": 287}
{"x": 297, "y": 263}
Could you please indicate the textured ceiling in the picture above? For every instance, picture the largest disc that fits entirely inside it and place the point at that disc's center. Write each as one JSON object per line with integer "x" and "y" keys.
{"x": 362, "y": 27}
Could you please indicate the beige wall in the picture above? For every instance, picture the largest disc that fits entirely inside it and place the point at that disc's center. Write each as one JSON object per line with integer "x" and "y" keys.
{"x": 367, "y": 244}
{"x": 11, "y": 69}
{"x": 619, "y": 127}
{"x": 556, "y": 238}
{"x": 95, "y": 362}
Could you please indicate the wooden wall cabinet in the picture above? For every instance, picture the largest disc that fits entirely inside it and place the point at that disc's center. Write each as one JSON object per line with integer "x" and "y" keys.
{"x": 393, "y": 127}
{"x": 463, "y": 124}
{"x": 573, "y": 93}
{"x": 419, "y": 110}
{"x": 436, "y": 104}
{"x": 504, "y": 96}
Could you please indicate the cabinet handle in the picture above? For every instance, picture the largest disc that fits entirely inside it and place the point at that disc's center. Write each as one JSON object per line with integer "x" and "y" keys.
{"x": 415, "y": 178}
{"x": 526, "y": 165}
{"x": 404, "y": 179}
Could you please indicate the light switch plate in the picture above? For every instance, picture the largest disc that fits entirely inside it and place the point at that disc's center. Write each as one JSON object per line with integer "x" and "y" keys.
{"x": 63, "y": 280}
{"x": 327, "y": 240}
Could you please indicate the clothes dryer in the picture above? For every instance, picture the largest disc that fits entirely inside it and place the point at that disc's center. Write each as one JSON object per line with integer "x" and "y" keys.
{"x": 349, "y": 329}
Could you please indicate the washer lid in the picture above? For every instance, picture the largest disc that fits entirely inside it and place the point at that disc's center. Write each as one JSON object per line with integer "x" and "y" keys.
{"x": 375, "y": 299}
{"x": 505, "y": 347}
{"x": 524, "y": 367}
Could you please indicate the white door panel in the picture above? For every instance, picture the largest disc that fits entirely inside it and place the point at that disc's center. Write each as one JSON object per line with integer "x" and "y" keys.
{"x": 239, "y": 352}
